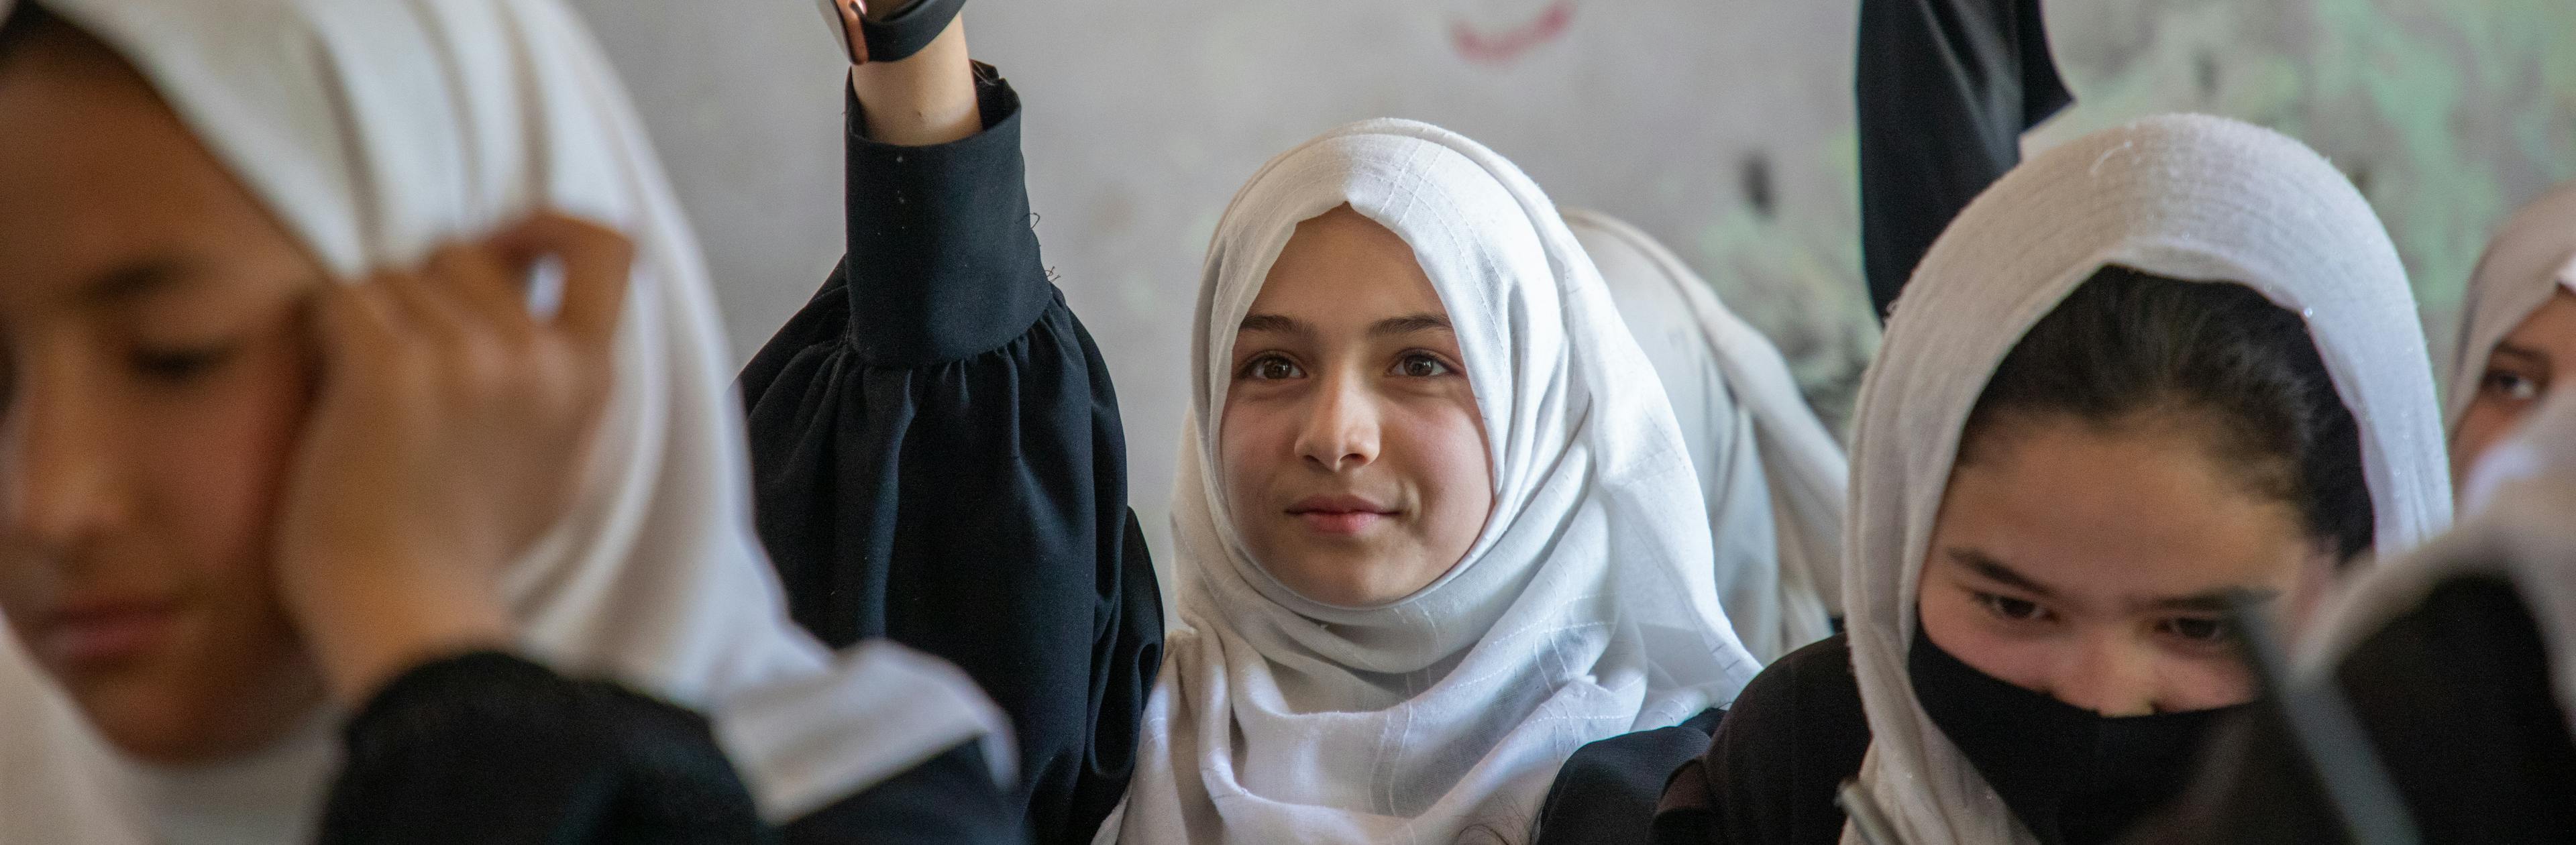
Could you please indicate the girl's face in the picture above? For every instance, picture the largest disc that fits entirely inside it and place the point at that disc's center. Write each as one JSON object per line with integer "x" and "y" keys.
{"x": 2516, "y": 379}
{"x": 156, "y": 371}
{"x": 2090, "y": 562}
{"x": 1353, "y": 453}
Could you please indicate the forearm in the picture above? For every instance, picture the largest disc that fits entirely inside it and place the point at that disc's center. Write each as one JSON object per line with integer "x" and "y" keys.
{"x": 926, "y": 98}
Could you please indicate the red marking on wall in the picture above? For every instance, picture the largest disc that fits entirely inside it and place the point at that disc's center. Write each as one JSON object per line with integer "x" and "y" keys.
{"x": 1509, "y": 45}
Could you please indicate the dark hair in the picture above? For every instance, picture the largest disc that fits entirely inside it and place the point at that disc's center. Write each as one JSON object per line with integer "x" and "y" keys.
{"x": 22, "y": 26}
{"x": 2126, "y": 342}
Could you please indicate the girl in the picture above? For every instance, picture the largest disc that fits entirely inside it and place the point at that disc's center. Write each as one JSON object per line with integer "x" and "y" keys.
{"x": 1435, "y": 523}
{"x": 2147, "y": 368}
{"x": 275, "y": 574}
{"x": 2517, "y": 326}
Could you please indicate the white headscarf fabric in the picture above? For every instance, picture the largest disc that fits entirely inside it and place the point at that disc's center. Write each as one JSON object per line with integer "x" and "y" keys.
{"x": 2186, "y": 197}
{"x": 1584, "y": 610}
{"x": 1774, "y": 479}
{"x": 2518, "y": 523}
{"x": 377, "y": 129}
{"x": 2532, "y": 257}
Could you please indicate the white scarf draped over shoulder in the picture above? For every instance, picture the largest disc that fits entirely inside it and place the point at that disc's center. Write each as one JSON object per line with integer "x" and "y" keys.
{"x": 377, "y": 129}
{"x": 1585, "y": 609}
{"x": 2181, "y": 196}
{"x": 1775, "y": 480}
{"x": 2531, "y": 258}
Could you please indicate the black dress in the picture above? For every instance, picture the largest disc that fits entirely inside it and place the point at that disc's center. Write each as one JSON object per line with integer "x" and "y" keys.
{"x": 2455, "y": 697}
{"x": 1769, "y": 775}
{"x": 1946, "y": 87}
{"x": 937, "y": 460}
{"x": 1606, "y": 793}
{"x": 490, "y": 748}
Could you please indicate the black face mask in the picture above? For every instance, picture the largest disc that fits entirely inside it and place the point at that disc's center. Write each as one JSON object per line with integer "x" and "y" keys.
{"x": 2073, "y": 776}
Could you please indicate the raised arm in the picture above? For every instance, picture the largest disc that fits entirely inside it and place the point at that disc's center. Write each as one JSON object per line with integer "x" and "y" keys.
{"x": 1945, "y": 87}
{"x": 936, "y": 446}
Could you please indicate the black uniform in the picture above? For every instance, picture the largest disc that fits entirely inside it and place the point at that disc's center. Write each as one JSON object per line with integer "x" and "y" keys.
{"x": 1946, "y": 87}
{"x": 491, "y": 748}
{"x": 937, "y": 460}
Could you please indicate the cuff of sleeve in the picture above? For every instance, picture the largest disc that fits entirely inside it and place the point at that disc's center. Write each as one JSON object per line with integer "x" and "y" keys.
{"x": 942, "y": 262}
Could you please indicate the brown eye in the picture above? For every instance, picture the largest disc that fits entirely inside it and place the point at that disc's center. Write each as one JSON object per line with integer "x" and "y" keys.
{"x": 1271, "y": 368}
{"x": 1421, "y": 365}
{"x": 2195, "y": 628}
{"x": 2512, "y": 386}
{"x": 2007, "y": 607}
{"x": 180, "y": 366}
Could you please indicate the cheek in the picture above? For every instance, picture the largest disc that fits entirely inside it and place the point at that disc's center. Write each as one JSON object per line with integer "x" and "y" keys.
{"x": 1252, "y": 439}
{"x": 216, "y": 465}
{"x": 2202, "y": 683}
{"x": 2485, "y": 421}
{"x": 1440, "y": 448}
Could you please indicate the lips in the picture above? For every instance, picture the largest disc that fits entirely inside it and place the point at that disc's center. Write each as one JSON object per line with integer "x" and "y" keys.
{"x": 1339, "y": 515}
{"x": 104, "y": 630}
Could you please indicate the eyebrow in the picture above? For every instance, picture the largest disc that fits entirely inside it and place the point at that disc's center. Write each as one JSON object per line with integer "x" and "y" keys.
{"x": 1409, "y": 324}
{"x": 2522, "y": 355}
{"x": 2214, "y": 601}
{"x": 134, "y": 280}
{"x": 1272, "y": 323}
{"x": 1995, "y": 570}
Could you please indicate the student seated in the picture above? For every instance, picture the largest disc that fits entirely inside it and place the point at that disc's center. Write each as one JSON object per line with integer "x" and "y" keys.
{"x": 1436, "y": 527}
{"x": 318, "y": 519}
{"x": 2517, "y": 327}
{"x": 2149, "y": 367}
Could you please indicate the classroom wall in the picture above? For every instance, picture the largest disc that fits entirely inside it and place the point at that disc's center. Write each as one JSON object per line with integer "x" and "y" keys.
{"x": 1721, "y": 126}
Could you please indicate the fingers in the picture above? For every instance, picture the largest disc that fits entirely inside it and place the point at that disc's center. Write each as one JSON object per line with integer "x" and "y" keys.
{"x": 481, "y": 284}
{"x": 597, "y": 263}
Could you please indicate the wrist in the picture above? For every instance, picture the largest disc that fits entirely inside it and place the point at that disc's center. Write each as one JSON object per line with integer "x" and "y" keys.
{"x": 372, "y": 636}
{"x": 927, "y": 98}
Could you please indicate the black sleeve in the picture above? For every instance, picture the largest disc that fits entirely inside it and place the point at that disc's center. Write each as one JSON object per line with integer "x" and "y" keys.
{"x": 937, "y": 460}
{"x": 950, "y": 800}
{"x": 1769, "y": 773}
{"x": 1945, "y": 87}
{"x": 2455, "y": 696}
{"x": 1606, "y": 793}
{"x": 490, "y": 748}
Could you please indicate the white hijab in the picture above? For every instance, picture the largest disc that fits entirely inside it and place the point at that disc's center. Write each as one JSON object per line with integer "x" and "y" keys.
{"x": 376, "y": 129}
{"x": 2532, "y": 257}
{"x": 1774, "y": 479}
{"x": 1585, "y": 609}
{"x": 2182, "y": 196}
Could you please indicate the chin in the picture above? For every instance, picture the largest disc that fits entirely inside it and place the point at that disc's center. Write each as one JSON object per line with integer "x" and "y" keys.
{"x": 182, "y": 718}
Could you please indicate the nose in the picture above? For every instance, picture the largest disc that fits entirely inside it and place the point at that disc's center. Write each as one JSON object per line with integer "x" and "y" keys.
{"x": 1340, "y": 433}
{"x": 55, "y": 471}
{"x": 2108, "y": 675}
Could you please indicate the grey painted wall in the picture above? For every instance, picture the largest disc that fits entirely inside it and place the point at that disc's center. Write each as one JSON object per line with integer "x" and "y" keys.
{"x": 1721, "y": 126}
